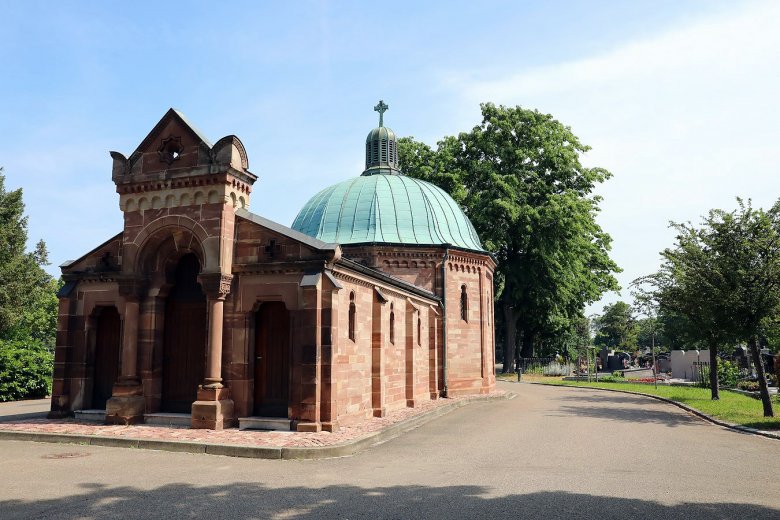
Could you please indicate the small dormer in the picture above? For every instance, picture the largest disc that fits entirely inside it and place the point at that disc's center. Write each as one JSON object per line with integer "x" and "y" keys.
{"x": 176, "y": 166}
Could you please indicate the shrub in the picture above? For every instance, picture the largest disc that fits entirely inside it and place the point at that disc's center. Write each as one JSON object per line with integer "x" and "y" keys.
{"x": 617, "y": 373}
{"x": 25, "y": 370}
{"x": 750, "y": 386}
{"x": 610, "y": 379}
{"x": 728, "y": 373}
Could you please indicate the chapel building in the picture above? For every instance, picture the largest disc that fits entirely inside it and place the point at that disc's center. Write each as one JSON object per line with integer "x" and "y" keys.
{"x": 378, "y": 297}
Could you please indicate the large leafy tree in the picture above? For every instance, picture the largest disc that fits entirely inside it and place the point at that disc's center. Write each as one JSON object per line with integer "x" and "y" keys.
{"x": 688, "y": 288}
{"x": 21, "y": 276}
{"x": 617, "y": 327}
{"x": 519, "y": 178}
{"x": 723, "y": 277}
{"x": 747, "y": 244}
{"x": 28, "y": 306}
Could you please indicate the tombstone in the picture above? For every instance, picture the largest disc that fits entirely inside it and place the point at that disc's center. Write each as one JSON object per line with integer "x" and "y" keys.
{"x": 604, "y": 356}
{"x": 614, "y": 362}
{"x": 741, "y": 356}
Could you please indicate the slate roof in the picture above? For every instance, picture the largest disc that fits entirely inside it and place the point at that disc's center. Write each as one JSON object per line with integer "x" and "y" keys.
{"x": 284, "y": 230}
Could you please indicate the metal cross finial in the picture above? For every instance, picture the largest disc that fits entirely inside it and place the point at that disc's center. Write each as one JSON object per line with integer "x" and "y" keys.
{"x": 381, "y": 108}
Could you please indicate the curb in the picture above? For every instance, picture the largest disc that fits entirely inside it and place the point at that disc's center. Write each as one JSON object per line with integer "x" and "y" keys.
{"x": 694, "y": 411}
{"x": 344, "y": 449}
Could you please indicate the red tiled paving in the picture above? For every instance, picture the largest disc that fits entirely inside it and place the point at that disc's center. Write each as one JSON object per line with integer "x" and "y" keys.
{"x": 230, "y": 436}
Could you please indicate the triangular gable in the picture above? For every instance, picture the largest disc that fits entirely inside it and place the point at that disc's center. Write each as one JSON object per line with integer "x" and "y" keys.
{"x": 260, "y": 240}
{"x": 171, "y": 122}
{"x": 105, "y": 257}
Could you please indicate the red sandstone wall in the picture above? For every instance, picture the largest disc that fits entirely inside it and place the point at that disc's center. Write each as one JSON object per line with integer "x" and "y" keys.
{"x": 352, "y": 359}
{"x": 394, "y": 355}
{"x": 465, "y": 338}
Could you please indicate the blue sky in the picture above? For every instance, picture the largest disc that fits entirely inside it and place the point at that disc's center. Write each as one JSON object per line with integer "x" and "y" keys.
{"x": 678, "y": 99}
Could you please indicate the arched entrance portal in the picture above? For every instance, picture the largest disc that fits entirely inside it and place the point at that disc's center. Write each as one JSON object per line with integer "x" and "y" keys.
{"x": 184, "y": 347}
{"x": 272, "y": 360}
{"x": 105, "y": 367}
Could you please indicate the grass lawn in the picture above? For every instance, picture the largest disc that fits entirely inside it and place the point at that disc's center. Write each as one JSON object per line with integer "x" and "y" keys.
{"x": 732, "y": 407}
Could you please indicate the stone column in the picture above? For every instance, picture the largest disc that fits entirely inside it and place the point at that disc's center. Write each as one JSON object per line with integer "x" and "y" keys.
{"x": 214, "y": 360}
{"x": 127, "y": 404}
{"x": 213, "y": 409}
{"x": 129, "y": 369}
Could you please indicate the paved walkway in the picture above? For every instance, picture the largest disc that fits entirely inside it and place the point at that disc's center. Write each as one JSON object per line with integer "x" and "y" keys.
{"x": 30, "y": 416}
{"x": 552, "y": 452}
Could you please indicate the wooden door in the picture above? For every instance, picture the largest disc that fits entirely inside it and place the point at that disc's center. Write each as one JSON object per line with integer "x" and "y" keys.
{"x": 105, "y": 368}
{"x": 184, "y": 343}
{"x": 272, "y": 360}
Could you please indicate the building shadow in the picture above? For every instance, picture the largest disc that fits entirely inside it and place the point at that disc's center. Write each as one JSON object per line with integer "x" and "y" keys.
{"x": 600, "y": 397}
{"x": 250, "y": 501}
{"x": 630, "y": 415}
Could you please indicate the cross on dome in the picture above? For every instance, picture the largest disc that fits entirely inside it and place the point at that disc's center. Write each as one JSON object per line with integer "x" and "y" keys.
{"x": 381, "y": 108}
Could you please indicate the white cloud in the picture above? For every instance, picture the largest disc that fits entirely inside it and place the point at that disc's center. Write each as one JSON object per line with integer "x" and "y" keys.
{"x": 686, "y": 120}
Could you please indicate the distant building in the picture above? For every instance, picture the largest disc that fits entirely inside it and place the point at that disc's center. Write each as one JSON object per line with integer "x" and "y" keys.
{"x": 379, "y": 297}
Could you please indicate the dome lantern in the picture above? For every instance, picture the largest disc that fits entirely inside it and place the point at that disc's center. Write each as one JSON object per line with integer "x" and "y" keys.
{"x": 381, "y": 147}
{"x": 383, "y": 206}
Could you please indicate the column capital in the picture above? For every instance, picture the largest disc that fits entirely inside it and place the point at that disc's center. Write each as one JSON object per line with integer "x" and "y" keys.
{"x": 216, "y": 285}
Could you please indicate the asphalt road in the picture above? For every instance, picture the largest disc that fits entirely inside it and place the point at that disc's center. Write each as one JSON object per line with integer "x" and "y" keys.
{"x": 549, "y": 453}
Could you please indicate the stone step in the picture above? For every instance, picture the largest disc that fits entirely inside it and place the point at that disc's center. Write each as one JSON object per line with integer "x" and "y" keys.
{"x": 90, "y": 415}
{"x": 265, "y": 423}
{"x": 168, "y": 419}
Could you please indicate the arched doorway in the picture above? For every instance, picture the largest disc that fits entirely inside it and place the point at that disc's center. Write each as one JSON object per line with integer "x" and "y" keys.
{"x": 105, "y": 367}
{"x": 184, "y": 344}
{"x": 272, "y": 360}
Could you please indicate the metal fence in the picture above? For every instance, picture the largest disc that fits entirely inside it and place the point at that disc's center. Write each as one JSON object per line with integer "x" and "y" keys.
{"x": 548, "y": 366}
{"x": 701, "y": 374}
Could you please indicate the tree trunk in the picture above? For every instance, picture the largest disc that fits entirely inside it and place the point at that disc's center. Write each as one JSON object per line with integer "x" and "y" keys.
{"x": 510, "y": 338}
{"x": 714, "y": 386}
{"x": 765, "y": 399}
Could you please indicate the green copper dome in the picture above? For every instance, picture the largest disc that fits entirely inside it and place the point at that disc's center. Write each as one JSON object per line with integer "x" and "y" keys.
{"x": 382, "y": 205}
{"x": 386, "y": 208}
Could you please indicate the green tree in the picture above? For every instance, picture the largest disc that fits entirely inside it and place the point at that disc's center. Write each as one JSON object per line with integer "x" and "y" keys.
{"x": 617, "y": 327}
{"x": 28, "y": 305}
{"x": 519, "y": 178}
{"x": 21, "y": 274}
{"x": 688, "y": 288}
{"x": 724, "y": 278}
{"x": 649, "y": 332}
{"x": 746, "y": 243}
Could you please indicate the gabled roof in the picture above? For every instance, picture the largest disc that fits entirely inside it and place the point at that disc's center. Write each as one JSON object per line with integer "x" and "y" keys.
{"x": 286, "y": 231}
{"x": 391, "y": 280}
{"x": 172, "y": 113}
{"x": 68, "y": 263}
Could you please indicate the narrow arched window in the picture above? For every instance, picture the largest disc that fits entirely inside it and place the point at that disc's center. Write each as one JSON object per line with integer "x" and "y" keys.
{"x": 352, "y": 315}
{"x": 464, "y": 303}
{"x": 392, "y": 324}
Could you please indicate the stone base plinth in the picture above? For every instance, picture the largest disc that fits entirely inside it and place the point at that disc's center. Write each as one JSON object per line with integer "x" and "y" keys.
{"x": 214, "y": 410}
{"x": 380, "y": 412}
{"x": 308, "y": 427}
{"x": 330, "y": 426}
{"x": 128, "y": 409}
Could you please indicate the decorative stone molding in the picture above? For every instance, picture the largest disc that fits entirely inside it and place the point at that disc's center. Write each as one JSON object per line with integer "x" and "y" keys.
{"x": 216, "y": 285}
